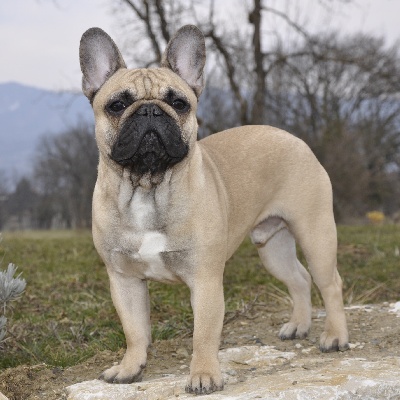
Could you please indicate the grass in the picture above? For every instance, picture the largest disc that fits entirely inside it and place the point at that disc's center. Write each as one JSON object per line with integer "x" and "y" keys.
{"x": 66, "y": 314}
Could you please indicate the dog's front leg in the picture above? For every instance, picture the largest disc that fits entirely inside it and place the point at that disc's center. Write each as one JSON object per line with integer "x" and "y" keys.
{"x": 207, "y": 298}
{"x": 130, "y": 296}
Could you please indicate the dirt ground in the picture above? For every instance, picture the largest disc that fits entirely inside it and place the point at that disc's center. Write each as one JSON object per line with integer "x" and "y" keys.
{"x": 374, "y": 333}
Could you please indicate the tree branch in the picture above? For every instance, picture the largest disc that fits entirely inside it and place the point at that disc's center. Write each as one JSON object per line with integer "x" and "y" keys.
{"x": 146, "y": 18}
{"x": 230, "y": 73}
{"x": 163, "y": 21}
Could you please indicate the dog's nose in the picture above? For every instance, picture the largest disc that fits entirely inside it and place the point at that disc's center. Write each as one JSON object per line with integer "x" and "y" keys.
{"x": 148, "y": 110}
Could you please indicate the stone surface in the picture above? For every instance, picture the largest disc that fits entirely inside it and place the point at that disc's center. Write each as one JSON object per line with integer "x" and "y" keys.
{"x": 395, "y": 308}
{"x": 253, "y": 372}
{"x": 2, "y": 397}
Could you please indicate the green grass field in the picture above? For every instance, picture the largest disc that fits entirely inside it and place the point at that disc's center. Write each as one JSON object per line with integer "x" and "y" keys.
{"x": 66, "y": 314}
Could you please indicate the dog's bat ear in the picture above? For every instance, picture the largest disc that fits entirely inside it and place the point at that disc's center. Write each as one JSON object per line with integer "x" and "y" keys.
{"x": 186, "y": 56}
{"x": 99, "y": 58}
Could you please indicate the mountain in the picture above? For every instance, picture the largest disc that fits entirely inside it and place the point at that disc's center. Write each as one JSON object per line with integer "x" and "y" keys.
{"x": 27, "y": 113}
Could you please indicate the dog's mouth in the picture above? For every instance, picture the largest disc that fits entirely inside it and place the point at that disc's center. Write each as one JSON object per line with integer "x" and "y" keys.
{"x": 150, "y": 141}
{"x": 151, "y": 155}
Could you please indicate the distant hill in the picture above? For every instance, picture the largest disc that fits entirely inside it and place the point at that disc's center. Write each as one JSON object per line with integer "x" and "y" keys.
{"x": 26, "y": 113}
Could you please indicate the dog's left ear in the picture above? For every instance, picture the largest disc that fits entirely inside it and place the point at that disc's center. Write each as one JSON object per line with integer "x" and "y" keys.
{"x": 186, "y": 56}
{"x": 99, "y": 58}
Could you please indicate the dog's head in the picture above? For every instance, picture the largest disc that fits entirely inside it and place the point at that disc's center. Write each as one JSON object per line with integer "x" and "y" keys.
{"x": 145, "y": 118}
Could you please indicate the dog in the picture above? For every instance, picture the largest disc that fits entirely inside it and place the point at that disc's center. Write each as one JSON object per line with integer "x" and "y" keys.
{"x": 169, "y": 208}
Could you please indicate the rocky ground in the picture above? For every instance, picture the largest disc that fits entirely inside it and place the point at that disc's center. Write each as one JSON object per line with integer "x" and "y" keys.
{"x": 256, "y": 364}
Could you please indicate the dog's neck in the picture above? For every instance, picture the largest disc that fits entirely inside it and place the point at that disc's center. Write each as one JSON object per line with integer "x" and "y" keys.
{"x": 112, "y": 174}
{"x": 146, "y": 181}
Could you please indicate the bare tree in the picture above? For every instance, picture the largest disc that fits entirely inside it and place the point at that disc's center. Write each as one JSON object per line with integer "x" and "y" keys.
{"x": 150, "y": 24}
{"x": 241, "y": 61}
{"x": 4, "y": 191}
{"x": 65, "y": 172}
{"x": 20, "y": 206}
{"x": 339, "y": 94}
{"x": 341, "y": 97}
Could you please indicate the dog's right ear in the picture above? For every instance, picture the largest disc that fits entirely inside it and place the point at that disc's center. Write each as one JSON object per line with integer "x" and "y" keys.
{"x": 99, "y": 58}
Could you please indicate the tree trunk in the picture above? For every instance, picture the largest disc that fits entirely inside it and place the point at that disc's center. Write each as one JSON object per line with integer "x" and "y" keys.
{"x": 258, "y": 110}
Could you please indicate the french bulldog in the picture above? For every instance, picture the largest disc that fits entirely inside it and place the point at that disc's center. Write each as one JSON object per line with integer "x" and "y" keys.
{"x": 169, "y": 208}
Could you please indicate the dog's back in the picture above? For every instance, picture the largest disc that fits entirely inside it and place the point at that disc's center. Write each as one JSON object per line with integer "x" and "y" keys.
{"x": 270, "y": 169}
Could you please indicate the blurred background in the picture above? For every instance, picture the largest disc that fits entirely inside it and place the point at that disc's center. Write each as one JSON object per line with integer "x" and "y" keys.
{"x": 325, "y": 70}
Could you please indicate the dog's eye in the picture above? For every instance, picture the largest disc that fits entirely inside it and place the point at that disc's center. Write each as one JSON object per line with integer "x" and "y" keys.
{"x": 117, "y": 106}
{"x": 180, "y": 105}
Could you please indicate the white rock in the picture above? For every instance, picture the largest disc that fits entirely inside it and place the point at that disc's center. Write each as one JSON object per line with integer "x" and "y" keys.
{"x": 395, "y": 308}
{"x": 253, "y": 356}
{"x": 2, "y": 397}
{"x": 327, "y": 378}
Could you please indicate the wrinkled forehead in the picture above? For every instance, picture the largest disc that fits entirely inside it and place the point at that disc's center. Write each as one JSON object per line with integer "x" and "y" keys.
{"x": 146, "y": 84}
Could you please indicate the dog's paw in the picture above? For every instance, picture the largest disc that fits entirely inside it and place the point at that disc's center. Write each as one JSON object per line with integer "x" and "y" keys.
{"x": 118, "y": 374}
{"x": 204, "y": 383}
{"x": 292, "y": 330}
{"x": 330, "y": 342}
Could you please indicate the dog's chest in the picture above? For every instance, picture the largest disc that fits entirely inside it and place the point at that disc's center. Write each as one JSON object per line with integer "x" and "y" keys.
{"x": 141, "y": 242}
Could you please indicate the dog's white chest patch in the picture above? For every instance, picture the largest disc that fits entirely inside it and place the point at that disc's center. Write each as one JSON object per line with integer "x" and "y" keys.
{"x": 153, "y": 244}
{"x": 141, "y": 241}
{"x": 142, "y": 210}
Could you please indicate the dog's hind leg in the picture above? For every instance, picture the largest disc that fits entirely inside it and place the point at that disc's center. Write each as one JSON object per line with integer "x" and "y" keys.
{"x": 277, "y": 250}
{"x": 318, "y": 240}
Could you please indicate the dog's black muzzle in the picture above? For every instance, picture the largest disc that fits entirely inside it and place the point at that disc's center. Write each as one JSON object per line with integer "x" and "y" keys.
{"x": 150, "y": 141}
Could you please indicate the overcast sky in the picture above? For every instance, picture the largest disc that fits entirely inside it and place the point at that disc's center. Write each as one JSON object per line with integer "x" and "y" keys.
{"x": 39, "y": 39}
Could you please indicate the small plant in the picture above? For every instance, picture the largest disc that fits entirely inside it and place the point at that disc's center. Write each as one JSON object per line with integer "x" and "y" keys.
{"x": 11, "y": 289}
{"x": 3, "y": 322}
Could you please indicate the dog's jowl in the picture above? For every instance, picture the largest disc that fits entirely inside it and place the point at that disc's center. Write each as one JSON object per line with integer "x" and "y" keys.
{"x": 170, "y": 208}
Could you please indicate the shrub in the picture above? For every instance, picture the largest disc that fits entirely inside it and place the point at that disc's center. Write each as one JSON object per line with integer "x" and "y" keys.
{"x": 11, "y": 289}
